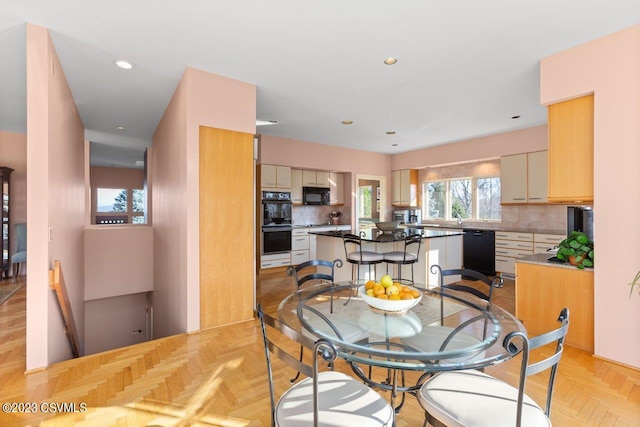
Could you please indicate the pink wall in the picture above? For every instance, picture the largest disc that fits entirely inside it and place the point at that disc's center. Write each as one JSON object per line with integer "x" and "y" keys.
{"x": 486, "y": 147}
{"x": 201, "y": 99}
{"x": 610, "y": 68}
{"x": 13, "y": 152}
{"x": 55, "y": 153}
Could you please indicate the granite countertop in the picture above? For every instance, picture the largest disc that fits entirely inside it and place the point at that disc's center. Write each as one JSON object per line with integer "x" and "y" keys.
{"x": 543, "y": 259}
{"x": 320, "y": 225}
{"x": 488, "y": 226}
{"x": 375, "y": 235}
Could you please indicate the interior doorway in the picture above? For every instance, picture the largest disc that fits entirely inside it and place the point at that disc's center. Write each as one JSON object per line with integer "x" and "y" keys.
{"x": 371, "y": 196}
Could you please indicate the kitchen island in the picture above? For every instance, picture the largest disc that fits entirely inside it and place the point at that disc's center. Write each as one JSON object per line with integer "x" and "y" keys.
{"x": 441, "y": 247}
{"x": 543, "y": 288}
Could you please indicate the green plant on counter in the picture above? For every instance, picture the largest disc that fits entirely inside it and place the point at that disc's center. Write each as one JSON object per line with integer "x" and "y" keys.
{"x": 577, "y": 250}
{"x": 636, "y": 282}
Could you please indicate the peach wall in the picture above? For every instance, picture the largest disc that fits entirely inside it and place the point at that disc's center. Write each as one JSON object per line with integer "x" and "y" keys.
{"x": 13, "y": 153}
{"x": 55, "y": 153}
{"x": 486, "y": 147}
{"x": 118, "y": 260}
{"x": 201, "y": 99}
{"x": 610, "y": 68}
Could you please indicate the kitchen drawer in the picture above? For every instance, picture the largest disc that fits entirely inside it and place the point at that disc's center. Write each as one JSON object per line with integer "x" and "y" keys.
{"x": 514, "y": 235}
{"x": 553, "y": 239}
{"x": 300, "y": 242}
{"x": 298, "y": 257}
{"x": 514, "y": 244}
{"x": 300, "y": 231}
{"x": 275, "y": 260}
{"x": 512, "y": 253}
{"x": 505, "y": 265}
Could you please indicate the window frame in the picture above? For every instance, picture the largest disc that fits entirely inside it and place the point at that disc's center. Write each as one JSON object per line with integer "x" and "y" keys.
{"x": 475, "y": 205}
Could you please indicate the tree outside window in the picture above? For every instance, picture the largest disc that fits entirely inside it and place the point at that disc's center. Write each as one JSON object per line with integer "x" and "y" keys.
{"x": 466, "y": 198}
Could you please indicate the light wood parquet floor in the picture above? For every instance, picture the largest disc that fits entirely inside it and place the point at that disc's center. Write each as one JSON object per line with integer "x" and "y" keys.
{"x": 217, "y": 377}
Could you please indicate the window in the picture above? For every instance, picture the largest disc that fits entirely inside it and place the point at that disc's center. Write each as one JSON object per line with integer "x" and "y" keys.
{"x": 365, "y": 193}
{"x": 110, "y": 200}
{"x": 465, "y": 198}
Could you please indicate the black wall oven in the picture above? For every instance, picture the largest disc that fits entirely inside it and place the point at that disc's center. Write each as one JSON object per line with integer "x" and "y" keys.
{"x": 276, "y": 221}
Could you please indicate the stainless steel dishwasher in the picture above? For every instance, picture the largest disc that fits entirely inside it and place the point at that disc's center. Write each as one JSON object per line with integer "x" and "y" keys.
{"x": 479, "y": 251}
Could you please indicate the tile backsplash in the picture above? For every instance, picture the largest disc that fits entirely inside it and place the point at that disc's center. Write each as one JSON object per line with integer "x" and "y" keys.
{"x": 315, "y": 215}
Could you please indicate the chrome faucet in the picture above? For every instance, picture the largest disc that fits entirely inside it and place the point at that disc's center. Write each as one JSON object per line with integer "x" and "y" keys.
{"x": 459, "y": 218}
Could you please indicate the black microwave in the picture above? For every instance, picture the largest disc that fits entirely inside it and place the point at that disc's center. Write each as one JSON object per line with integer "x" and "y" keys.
{"x": 316, "y": 196}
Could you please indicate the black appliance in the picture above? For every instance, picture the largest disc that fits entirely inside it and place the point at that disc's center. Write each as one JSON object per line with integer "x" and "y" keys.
{"x": 580, "y": 218}
{"x": 276, "y": 221}
{"x": 316, "y": 196}
{"x": 479, "y": 251}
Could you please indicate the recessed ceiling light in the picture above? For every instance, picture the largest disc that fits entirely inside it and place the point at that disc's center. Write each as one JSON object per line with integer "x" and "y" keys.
{"x": 120, "y": 127}
{"x": 347, "y": 122}
{"x": 390, "y": 61}
{"x": 265, "y": 122}
{"x": 394, "y": 145}
{"x": 125, "y": 65}
{"x": 515, "y": 117}
{"x": 391, "y": 132}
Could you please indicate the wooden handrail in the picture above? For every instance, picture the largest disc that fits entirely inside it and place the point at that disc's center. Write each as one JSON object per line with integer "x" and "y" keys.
{"x": 56, "y": 283}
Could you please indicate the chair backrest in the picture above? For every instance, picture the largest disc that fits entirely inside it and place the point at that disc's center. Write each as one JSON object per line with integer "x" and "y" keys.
{"x": 21, "y": 236}
{"x": 323, "y": 347}
{"x": 352, "y": 243}
{"x": 298, "y": 271}
{"x": 558, "y": 335}
{"x": 412, "y": 242}
{"x": 468, "y": 275}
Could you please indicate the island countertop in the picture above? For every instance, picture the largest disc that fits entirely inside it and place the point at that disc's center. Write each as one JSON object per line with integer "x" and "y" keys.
{"x": 377, "y": 236}
{"x": 543, "y": 259}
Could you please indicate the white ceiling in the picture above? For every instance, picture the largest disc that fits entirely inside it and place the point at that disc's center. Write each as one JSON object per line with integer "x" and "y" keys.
{"x": 464, "y": 67}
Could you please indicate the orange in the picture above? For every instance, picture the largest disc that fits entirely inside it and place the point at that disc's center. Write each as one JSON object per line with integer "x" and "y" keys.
{"x": 415, "y": 293}
{"x": 382, "y": 296}
{"x": 378, "y": 289}
{"x": 407, "y": 295}
{"x": 394, "y": 296}
{"x": 369, "y": 284}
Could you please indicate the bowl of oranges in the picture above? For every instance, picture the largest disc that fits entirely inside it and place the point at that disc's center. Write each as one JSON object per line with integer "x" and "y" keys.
{"x": 389, "y": 296}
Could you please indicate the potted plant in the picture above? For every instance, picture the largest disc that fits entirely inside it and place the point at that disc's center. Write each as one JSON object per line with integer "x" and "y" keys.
{"x": 577, "y": 250}
{"x": 335, "y": 217}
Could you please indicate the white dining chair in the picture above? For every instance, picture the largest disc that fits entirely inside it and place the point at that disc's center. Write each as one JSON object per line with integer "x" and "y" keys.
{"x": 327, "y": 398}
{"x": 473, "y": 398}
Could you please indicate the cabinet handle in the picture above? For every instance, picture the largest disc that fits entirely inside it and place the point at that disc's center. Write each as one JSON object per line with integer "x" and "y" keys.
{"x": 524, "y": 246}
{"x": 518, "y": 198}
{"x": 535, "y": 198}
{"x": 503, "y": 260}
{"x": 502, "y": 252}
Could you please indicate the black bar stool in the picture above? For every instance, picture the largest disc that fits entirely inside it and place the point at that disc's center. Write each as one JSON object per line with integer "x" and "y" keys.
{"x": 405, "y": 257}
{"x": 357, "y": 257}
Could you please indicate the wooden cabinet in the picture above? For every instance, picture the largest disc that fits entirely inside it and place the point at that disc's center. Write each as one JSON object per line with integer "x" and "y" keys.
{"x": 275, "y": 176}
{"x": 336, "y": 185}
{"x": 513, "y": 178}
{"x": 571, "y": 150}
{"x": 523, "y": 178}
{"x": 404, "y": 185}
{"x": 296, "y": 186}
{"x": 315, "y": 178}
{"x": 543, "y": 290}
{"x": 537, "y": 177}
{"x": 5, "y": 174}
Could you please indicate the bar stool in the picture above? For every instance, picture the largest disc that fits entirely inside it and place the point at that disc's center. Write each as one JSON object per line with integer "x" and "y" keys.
{"x": 405, "y": 257}
{"x": 357, "y": 257}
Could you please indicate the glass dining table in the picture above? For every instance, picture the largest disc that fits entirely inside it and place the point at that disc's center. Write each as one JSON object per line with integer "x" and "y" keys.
{"x": 443, "y": 331}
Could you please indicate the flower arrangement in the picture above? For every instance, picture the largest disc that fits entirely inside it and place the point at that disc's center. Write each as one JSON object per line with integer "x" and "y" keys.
{"x": 335, "y": 214}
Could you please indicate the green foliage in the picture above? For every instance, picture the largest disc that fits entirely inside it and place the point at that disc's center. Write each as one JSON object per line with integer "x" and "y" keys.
{"x": 579, "y": 246}
{"x": 120, "y": 202}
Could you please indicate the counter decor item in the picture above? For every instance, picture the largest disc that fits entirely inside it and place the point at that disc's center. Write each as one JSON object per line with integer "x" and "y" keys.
{"x": 577, "y": 250}
{"x": 388, "y": 227}
{"x": 335, "y": 217}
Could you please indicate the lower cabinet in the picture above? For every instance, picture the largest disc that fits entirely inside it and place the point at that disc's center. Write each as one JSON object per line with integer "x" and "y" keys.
{"x": 511, "y": 245}
{"x": 275, "y": 260}
{"x": 299, "y": 246}
{"x": 543, "y": 290}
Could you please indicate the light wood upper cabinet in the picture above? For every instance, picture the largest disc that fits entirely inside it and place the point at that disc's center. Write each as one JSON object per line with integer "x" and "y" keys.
{"x": 523, "y": 178}
{"x": 336, "y": 185}
{"x": 322, "y": 179}
{"x": 296, "y": 186}
{"x": 404, "y": 185}
{"x": 275, "y": 176}
{"x": 513, "y": 178}
{"x": 571, "y": 150}
{"x": 315, "y": 179}
{"x": 537, "y": 177}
